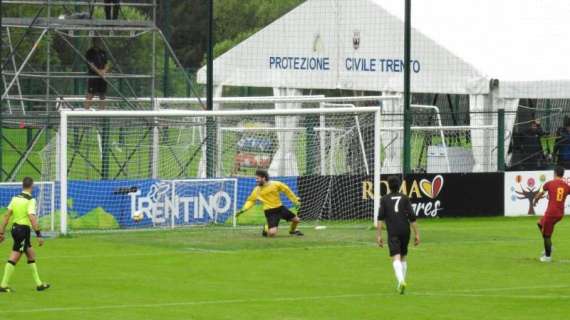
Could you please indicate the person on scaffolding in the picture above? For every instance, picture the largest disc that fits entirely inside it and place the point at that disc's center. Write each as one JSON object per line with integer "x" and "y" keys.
{"x": 98, "y": 66}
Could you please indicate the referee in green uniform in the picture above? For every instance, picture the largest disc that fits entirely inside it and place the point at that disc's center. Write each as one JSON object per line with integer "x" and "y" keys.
{"x": 22, "y": 211}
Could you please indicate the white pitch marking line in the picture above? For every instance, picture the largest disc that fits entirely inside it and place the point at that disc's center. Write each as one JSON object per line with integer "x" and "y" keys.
{"x": 309, "y": 298}
{"x": 110, "y": 255}
{"x": 309, "y": 247}
{"x": 508, "y": 289}
{"x": 194, "y": 303}
{"x": 206, "y": 250}
{"x": 190, "y": 250}
{"x": 506, "y": 296}
{"x": 562, "y": 261}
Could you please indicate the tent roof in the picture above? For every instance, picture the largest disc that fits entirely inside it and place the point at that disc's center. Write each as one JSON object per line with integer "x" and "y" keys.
{"x": 507, "y": 39}
{"x": 459, "y": 46}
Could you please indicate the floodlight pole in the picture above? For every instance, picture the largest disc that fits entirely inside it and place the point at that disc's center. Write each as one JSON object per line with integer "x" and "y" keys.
{"x": 407, "y": 94}
{"x": 167, "y": 35}
{"x": 210, "y": 123}
{"x": 1, "y": 100}
{"x": 210, "y": 62}
{"x": 155, "y": 152}
{"x": 48, "y": 56}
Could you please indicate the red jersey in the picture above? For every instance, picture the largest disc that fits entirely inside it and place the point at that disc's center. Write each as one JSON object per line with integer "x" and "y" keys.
{"x": 557, "y": 190}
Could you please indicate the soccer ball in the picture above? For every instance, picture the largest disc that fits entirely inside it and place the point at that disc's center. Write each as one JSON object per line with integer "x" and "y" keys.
{"x": 138, "y": 216}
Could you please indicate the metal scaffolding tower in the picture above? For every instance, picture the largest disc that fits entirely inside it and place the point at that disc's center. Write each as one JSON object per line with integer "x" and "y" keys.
{"x": 65, "y": 23}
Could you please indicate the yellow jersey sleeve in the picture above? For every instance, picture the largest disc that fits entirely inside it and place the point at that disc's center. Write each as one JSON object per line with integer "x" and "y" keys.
{"x": 288, "y": 192}
{"x": 250, "y": 202}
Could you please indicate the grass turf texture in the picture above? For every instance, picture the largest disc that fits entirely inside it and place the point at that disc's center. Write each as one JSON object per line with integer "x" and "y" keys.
{"x": 464, "y": 269}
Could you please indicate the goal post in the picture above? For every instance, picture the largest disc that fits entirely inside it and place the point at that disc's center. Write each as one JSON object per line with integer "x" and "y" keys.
{"x": 169, "y": 187}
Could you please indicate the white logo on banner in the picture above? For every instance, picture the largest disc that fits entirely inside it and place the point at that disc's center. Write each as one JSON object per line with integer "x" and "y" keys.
{"x": 160, "y": 203}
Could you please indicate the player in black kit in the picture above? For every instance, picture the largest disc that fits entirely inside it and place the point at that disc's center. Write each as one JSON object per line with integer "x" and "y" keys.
{"x": 397, "y": 213}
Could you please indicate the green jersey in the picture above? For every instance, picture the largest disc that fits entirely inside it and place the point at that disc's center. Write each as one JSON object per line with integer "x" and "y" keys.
{"x": 22, "y": 206}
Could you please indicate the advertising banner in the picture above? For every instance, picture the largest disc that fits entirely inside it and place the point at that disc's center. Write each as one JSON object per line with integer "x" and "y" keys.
{"x": 154, "y": 202}
{"x": 520, "y": 189}
{"x": 432, "y": 195}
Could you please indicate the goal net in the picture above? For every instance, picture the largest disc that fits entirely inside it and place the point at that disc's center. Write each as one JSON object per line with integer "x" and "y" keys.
{"x": 457, "y": 142}
{"x": 170, "y": 168}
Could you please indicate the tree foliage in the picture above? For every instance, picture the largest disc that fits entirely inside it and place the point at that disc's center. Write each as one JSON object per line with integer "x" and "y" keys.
{"x": 185, "y": 23}
{"x": 234, "y": 21}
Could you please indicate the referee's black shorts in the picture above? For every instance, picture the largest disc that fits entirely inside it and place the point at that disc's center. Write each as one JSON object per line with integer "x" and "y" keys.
{"x": 398, "y": 244}
{"x": 274, "y": 215}
{"x": 21, "y": 236}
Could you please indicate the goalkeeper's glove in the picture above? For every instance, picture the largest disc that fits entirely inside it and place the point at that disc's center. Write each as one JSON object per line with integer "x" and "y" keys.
{"x": 239, "y": 213}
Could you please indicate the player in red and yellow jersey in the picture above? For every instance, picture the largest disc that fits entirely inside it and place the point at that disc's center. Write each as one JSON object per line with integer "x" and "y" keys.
{"x": 557, "y": 190}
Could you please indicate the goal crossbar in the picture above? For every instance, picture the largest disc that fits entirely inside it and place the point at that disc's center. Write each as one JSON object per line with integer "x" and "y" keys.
{"x": 250, "y": 100}
{"x": 215, "y": 113}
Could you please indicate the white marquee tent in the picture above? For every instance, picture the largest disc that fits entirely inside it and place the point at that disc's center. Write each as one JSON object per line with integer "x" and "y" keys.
{"x": 458, "y": 47}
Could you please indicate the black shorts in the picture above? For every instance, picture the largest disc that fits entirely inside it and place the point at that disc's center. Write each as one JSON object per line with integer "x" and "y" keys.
{"x": 96, "y": 86}
{"x": 21, "y": 236}
{"x": 274, "y": 215}
{"x": 398, "y": 244}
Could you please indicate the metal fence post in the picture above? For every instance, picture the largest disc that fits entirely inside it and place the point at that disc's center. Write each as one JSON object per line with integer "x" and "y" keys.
{"x": 501, "y": 140}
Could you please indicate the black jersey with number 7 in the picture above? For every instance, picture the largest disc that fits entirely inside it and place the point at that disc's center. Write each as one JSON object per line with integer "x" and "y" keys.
{"x": 397, "y": 212}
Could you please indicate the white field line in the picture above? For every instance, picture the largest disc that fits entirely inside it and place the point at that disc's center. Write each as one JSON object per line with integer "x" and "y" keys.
{"x": 195, "y": 303}
{"x": 503, "y": 296}
{"x": 561, "y": 261}
{"x": 202, "y": 250}
{"x": 192, "y": 250}
{"x": 508, "y": 289}
{"x": 307, "y": 298}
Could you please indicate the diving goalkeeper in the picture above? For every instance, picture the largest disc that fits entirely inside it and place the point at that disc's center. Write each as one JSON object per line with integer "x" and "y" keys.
{"x": 268, "y": 193}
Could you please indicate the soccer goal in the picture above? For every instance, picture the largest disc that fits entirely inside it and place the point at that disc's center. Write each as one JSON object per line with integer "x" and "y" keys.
{"x": 170, "y": 168}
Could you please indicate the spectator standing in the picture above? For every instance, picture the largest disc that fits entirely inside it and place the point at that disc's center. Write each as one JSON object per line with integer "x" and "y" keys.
{"x": 562, "y": 145}
{"x": 531, "y": 148}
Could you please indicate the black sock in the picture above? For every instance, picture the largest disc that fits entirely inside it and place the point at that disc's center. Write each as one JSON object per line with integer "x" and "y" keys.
{"x": 547, "y": 246}
{"x": 108, "y": 10}
{"x": 539, "y": 227}
{"x": 116, "y": 9}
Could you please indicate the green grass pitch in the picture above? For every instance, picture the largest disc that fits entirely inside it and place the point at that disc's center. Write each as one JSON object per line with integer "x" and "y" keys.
{"x": 464, "y": 269}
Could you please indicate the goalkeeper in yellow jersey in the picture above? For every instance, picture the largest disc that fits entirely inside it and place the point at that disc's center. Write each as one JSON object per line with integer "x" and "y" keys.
{"x": 268, "y": 193}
